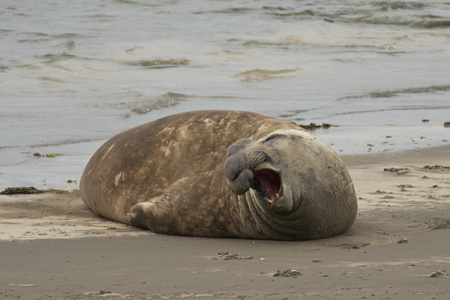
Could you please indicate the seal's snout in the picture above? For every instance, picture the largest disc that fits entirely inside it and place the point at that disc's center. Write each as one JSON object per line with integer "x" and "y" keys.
{"x": 236, "y": 167}
{"x": 241, "y": 169}
{"x": 242, "y": 182}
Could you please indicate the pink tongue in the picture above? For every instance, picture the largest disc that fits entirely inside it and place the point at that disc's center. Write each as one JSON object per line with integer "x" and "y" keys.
{"x": 270, "y": 181}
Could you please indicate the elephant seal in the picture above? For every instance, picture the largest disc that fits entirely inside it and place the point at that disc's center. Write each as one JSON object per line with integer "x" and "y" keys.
{"x": 221, "y": 174}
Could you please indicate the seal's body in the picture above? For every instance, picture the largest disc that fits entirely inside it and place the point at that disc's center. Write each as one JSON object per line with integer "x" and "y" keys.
{"x": 221, "y": 174}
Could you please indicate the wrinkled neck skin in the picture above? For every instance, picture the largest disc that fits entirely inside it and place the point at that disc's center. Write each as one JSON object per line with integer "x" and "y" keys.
{"x": 278, "y": 218}
{"x": 287, "y": 181}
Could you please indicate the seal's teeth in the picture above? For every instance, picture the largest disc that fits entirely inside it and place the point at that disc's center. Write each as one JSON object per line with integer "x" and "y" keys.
{"x": 278, "y": 195}
{"x": 270, "y": 201}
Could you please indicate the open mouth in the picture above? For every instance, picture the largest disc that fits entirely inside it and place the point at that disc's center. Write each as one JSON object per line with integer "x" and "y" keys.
{"x": 267, "y": 183}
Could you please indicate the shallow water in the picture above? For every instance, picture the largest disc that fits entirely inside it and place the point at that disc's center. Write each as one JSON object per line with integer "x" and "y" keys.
{"x": 75, "y": 73}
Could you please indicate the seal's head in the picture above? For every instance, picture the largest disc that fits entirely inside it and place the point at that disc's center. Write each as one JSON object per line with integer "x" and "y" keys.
{"x": 294, "y": 177}
{"x": 267, "y": 167}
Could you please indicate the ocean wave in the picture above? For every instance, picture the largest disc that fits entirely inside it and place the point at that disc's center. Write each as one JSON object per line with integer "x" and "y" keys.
{"x": 393, "y": 93}
{"x": 426, "y": 21}
{"x": 52, "y": 57}
{"x": 62, "y": 142}
{"x": 53, "y": 79}
{"x": 230, "y": 10}
{"x": 389, "y": 109}
{"x": 130, "y": 2}
{"x": 141, "y": 104}
{"x": 261, "y": 75}
{"x": 383, "y": 14}
{"x": 293, "y": 40}
{"x": 394, "y": 5}
{"x": 160, "y": 63}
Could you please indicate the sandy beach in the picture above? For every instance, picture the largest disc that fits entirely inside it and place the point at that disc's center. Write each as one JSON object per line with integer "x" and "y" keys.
{"x": 53, "y": 247}
{"x": 373, "y": 74}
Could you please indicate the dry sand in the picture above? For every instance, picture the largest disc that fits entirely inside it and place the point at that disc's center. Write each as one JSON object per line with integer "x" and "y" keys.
{"x": 53, "y": 247}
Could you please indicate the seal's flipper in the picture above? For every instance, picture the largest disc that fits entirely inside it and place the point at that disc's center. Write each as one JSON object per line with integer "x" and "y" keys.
{"x": 139, "y": 214}
{"x": 175, "y": 211}
{"x": 159, "y": 214}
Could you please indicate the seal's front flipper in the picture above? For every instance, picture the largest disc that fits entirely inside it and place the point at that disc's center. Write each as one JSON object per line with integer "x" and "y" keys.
{"x": 186, "y": 208}
{"x": 139, "y": 214}
{"x": 159, "y": 214}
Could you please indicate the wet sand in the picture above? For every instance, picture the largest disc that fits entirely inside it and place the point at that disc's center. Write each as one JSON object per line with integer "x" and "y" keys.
{"x": 53, "y": 247}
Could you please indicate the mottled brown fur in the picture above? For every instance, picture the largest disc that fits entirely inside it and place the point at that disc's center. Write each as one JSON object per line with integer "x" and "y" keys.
{"x": 168, "y": 176}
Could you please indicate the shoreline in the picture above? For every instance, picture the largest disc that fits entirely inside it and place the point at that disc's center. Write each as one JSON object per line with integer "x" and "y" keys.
{"x": 25, "y": 215}
{"x": 435, "y": 154}
{"x": 397, "y": 247}
{"x": 59, "y": 165}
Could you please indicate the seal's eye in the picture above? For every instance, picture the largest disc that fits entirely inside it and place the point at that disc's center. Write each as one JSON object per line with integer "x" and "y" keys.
{"x": 269, "y": 183}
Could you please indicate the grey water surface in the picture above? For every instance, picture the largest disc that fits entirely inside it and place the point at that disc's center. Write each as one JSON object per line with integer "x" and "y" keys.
{"x": 75, "y": 73}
